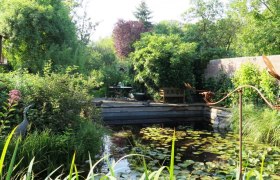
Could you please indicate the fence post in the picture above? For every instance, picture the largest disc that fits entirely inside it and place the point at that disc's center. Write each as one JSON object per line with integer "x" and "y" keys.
{"x": 240, "y": 134}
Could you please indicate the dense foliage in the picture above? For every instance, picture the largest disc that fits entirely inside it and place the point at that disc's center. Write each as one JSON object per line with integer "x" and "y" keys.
{"x": 250, "y": 74}
{"x": 221, "y": 85}
{"x": 39, "y": 31}
{"x": 125, "y": 33}
{"x": 60, "y": 100}
{"x": 62, "y": 119}
{"x": 259, "y": 26}
{"x": 213, "y": 32}
{"x": 105, "y": 67}
{"x": 53, "y": 150}
{"x": 163, "y": 61}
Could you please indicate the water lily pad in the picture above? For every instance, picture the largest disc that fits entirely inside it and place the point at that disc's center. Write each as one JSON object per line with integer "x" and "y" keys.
{"x": 188, "y": 162}
{"x": 197, "y": 152}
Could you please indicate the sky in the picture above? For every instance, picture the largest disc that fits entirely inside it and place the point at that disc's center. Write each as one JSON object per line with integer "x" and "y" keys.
{"x": 108, "y": 12}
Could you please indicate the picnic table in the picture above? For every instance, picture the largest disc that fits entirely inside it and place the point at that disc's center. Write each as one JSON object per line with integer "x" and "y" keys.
{"x": 120, "y": 91}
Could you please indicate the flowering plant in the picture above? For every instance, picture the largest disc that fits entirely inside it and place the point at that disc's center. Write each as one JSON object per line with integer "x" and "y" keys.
{"x": 14, "y": 96}
{"x": 8, "y": 108}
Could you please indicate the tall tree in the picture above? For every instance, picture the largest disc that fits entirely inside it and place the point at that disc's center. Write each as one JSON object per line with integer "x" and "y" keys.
{"x": 259, "y": 32}
{"x": 212, "y": 30}
{"x": 125, "y": 33}
{"x": 38, "y": 31}
{"x": 143, "y": 14}
{"x": 84, "y": 24}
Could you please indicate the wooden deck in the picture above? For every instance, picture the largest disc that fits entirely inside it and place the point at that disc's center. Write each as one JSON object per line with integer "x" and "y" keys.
{"x": 133, "y": 112}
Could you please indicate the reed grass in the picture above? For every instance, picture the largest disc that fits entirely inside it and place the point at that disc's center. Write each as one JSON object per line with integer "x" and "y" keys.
{"x": 261, "y": 124}
{"x": 12, "y": 163}
{"x": 4, "y": 151}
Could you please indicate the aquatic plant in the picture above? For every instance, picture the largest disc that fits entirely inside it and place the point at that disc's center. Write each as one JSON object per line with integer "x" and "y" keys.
{"x": 204, "y": 154}
{"x": 203, "y": 170}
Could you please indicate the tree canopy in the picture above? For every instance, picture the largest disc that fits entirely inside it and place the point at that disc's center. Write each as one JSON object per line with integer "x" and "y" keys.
{"x": 163, "y": 61}
{"x": 125, "y": 33}
{"x": 260, "y": 26}
{"x": 38, "y": 31}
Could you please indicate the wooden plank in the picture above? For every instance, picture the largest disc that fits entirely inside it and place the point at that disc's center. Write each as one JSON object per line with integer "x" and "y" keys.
{"x": 142, "y": 115}
{"x": 154, "y": 121}
{"x": 152, "y": 108}
{"x": 137, "y": 113}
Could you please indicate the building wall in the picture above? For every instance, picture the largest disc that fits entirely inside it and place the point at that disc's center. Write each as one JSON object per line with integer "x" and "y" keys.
{"x": 230, "y": 65}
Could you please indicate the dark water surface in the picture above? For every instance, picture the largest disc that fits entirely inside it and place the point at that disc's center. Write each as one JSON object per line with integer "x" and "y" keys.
{"x": 200, "y": 153}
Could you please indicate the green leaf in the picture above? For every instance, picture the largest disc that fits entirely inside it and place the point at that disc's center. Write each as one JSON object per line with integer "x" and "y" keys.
{"x": 4, "y": 151}
{"x": 72, "y": 166}
{"x": 11, "y": 166}
{"x": 29, "y": 171}
{"x": 171, "y": 168}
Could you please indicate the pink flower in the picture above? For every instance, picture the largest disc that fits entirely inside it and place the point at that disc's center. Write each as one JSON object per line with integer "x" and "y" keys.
{"x": 14, "y": 96}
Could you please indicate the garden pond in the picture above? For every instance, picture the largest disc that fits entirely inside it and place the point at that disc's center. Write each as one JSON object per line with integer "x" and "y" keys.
{"x": 199, "y": 154}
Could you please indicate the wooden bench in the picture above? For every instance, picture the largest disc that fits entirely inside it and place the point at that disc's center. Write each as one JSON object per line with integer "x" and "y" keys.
{"x": 171, "y": 93}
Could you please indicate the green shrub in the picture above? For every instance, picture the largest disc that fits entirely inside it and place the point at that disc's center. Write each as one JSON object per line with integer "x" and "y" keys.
{"x": 60, "y": 99}
{"x": 250, "y": 74}
{"x": 163, "y": 61}
{"x": 88, "y": 139}
{"x": 61, "y": 118}
{"x": 221, "y": 85}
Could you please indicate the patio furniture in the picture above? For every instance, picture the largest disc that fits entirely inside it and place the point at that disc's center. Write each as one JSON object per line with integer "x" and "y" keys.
{"x": 120, "y": 91}
{"x": 171, "y": 94}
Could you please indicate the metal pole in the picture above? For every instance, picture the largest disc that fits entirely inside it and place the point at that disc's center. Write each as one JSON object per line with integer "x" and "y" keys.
{"x": 240, "y": 134}
{"x": 1, "y": 48}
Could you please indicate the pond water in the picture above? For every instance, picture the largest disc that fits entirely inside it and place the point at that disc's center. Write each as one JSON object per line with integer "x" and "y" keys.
{"x": 199, "y": 153}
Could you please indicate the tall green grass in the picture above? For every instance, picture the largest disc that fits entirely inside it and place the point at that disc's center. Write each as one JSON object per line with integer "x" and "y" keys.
{"x": 51, "y": 150}
{"x": 259, "y": 123}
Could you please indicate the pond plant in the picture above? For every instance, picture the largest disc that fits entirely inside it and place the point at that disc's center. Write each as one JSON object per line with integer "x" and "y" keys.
{"x": 204, "y": 154}
{"x": 258, "y": 161}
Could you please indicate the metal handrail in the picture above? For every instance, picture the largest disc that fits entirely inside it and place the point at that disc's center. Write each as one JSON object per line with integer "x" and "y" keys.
{"x": 277, "y": 107}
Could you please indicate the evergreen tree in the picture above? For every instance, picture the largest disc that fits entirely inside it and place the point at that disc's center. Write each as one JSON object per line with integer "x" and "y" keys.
{"x": 143, "y": 14}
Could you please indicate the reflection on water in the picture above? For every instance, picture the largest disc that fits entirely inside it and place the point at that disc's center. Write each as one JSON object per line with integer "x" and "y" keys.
{"x": 199, "y": 154}
{"x": 116, "y": 146}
